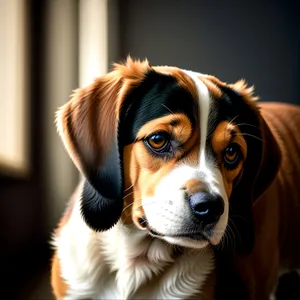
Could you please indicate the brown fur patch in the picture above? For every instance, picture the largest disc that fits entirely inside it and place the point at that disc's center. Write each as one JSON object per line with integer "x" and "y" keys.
{"x": 87, "y": 123}
{"x": 224, "y": 134}
{"x": 213, "y": 84}
{"x": 182, "y": 78}
{"x": 59, "y": 286}
{"x": 177, "y": 124}
{"x": 193, "y": 186}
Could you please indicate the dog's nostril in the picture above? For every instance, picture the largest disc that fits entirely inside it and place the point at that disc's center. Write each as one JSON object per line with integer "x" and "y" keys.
{"x": 206, "y": 207}
{"x": 184, "y": 188}
{"x": 143, "y": 222}
{"x": 201, "y": 209}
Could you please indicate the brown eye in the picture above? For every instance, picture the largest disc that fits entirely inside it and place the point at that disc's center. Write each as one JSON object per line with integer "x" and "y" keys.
{"x": 232, "y": 156}
{"x": 159, "y": 142}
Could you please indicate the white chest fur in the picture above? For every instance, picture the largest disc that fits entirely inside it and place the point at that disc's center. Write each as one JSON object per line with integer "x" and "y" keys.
{"x": 125, "y": 263}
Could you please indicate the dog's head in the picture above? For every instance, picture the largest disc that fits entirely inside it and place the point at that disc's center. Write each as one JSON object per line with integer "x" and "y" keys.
{"x": 177, "y": 153}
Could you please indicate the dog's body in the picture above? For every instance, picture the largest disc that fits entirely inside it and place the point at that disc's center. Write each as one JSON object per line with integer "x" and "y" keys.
{"x": 176, "y": 205}
{"x": 277, "y": 212}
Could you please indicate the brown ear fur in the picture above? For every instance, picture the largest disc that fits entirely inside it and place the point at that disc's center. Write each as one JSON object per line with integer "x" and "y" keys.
{"x": 88, "y": 120}
{"x": 270, "y": 161}
{"x": 88, "y": 125}
{"x": 270, "y": 155}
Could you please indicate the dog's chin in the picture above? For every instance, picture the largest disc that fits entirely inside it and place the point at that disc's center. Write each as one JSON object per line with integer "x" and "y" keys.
{"x": 196, "y": 241}
{"x": 189, "y": 241}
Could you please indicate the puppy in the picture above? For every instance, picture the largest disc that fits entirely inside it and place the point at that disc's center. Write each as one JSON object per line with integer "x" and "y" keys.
{"x": 176, "y": 165}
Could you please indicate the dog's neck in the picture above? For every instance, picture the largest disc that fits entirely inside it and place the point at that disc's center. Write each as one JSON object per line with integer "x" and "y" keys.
{"x": 135, "y": 256}
{"x": 126, "y": 262}
{"x": 140, "y": 260}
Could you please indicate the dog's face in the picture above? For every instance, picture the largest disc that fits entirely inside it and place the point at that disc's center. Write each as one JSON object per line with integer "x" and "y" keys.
{"x": 175, "y": 152}
{"x": 181, "y": 160}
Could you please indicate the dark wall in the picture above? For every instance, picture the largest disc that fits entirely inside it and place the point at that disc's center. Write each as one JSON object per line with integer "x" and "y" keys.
{"x": 255, "y": 40}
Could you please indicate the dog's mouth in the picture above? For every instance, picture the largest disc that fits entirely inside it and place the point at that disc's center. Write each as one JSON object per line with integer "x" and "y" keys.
{"x": 192, "y": 234}
{"x": 197, "y": 236}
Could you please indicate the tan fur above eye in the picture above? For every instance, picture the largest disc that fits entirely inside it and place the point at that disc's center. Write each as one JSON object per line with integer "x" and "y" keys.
{"x": 225, "y": 134}
{"x": 177, "y": 124}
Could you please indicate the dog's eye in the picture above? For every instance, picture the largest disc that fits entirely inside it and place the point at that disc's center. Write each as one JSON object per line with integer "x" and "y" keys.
{"x": 232, "y": 156}
{"x": 159, "y": 142}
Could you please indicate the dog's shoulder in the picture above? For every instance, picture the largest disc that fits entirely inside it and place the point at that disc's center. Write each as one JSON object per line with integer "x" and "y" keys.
{"x": 58, "y": 283}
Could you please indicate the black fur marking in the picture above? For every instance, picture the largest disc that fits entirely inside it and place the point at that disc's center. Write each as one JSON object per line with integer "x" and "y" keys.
{"x": 99, "y": 212}
{"x": 102, "y": 202}
{"x": 157, "y": 96}
{"x": 108, "y": 178}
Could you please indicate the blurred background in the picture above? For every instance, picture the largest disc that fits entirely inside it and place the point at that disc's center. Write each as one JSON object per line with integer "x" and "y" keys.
{"x": 48, "y": 48}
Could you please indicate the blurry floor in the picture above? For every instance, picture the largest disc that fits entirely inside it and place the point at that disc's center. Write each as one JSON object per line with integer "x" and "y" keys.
{"x": 289, "y": 287}
{"x": 37, "y": 288}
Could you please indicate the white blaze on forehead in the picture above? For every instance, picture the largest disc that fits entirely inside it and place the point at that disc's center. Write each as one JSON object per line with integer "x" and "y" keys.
{"x": 204, "y": 105}
{"x": 168, "y": 212}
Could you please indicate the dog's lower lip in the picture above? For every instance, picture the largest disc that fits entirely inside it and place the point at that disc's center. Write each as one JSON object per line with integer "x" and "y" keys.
{"x": 155, "y": 233}
{"x": 191, "y": 235}
{"x": 195, "y": 236}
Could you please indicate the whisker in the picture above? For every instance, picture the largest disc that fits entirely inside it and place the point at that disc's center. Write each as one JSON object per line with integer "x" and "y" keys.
{"x": 130, "y": 204}
{"x": 190, "y": 251}
{"x": 209, "y": 135}
{"x": 230, "y": 233}
{"x": 130, "y": 213}
{"x": 128, "y": 188}
{"x": 241, "y": 146}
{"x": 251, "y": 135}
{"x": 230, "y": 222}
{"x": 239, "y": 216}
{"x": 128, "y": 195}
{"x": 231, "y": 121}
{"x": 246, "y": 124}
{"x": 168, "y": 109}
{"x": 145, "y": 204}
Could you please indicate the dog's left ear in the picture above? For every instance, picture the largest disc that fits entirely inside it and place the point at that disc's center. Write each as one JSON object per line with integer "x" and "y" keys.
{"x": 260, "y": 168}
{"x": 270, "y": 159}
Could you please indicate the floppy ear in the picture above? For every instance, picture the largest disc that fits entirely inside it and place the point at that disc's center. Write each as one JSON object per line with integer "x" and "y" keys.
{"x": 88, "y": 126}
{"x": 260, "y": 168}
{"x": 270, "y": 160}
{"x": 92, "y": 132}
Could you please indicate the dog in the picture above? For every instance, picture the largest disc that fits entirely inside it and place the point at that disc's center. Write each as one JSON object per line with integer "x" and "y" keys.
{"x": 178, "y": 166}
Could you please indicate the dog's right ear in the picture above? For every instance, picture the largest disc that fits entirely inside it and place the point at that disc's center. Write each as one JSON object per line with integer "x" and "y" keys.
{"x": 89, "y": 127}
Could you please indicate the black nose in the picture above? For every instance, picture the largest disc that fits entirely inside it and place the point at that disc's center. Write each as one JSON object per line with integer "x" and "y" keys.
{"x": 206, "y": 207}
